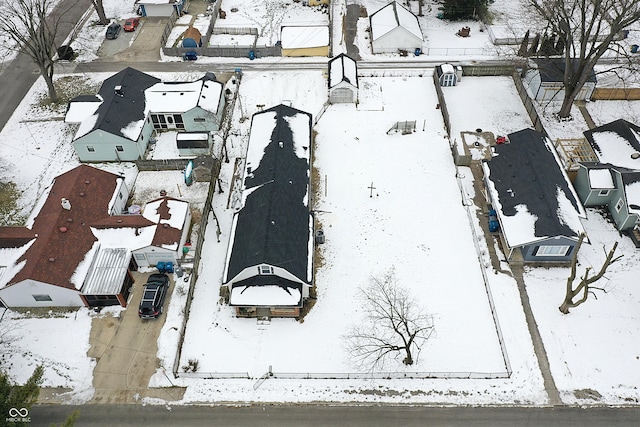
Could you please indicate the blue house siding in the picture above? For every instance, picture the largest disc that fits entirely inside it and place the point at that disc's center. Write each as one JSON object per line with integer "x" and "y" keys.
{"x": 531, "y": 253}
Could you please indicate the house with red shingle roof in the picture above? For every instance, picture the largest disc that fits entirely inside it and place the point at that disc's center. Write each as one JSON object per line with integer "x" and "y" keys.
{"x": 79, "y": 248}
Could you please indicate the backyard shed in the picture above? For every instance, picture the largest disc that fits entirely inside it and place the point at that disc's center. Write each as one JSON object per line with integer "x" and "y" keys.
{"x": 109, "y": 280}
{"x": 343, "y": 80}
{"x": 193, "y": 143}
{"x": 545, "y": 81}
{"x": 394, "y": 28}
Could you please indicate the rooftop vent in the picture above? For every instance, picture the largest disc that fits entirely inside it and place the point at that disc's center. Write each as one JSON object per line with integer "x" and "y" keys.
{"x": 51, "y": 259}
{"x": 163, "y": 193}
{"x": 635, "y": 156}
{"x": 118, "y": 90}
{"x": 66, "y": 204}
{"x": 63, "y": 229}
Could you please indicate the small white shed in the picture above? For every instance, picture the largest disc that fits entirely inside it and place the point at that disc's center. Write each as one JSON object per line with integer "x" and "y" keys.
{"x": 343, "y": 80}
{"x": 395, "y": 28}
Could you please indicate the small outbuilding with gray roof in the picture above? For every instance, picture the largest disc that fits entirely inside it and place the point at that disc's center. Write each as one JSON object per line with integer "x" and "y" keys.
{"x": 269, "y": 263}
{"x": 535, "y": 203}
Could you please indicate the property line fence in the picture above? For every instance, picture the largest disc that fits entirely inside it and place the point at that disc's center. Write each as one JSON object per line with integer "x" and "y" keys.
{"x": 349, "y": 375}
{"x": 442, "y": 103}
{"x": 162, "y": 164}
{"x": 528, "y": 103}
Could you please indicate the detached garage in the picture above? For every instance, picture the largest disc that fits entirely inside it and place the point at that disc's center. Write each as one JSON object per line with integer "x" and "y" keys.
{"x": 395, "y": 28}
{"x": 343, "y": 80}
{"x": 160, "y": 7}
{"x": 109, "y": 280}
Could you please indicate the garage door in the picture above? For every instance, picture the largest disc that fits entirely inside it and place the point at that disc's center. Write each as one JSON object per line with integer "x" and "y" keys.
{"x": 341, "y": 95}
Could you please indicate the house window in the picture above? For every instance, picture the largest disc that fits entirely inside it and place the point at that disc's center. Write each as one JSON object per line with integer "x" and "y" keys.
{"x": 159, "y": 121}
{"x": 170, "y": 119}
{"x": 552, "y": 250}
{"x": 177, "y": 118}
{"x": 41, "y": 297}
{"x": 619, "y": 205}
{"x": 140, "y": 257}
{"x": 90, "y": 148}
{"x": 199, "y": 119}
{"x": 603, "y": 193}
{"x": 265, "y": 269}
{"x": 119, "y": 148}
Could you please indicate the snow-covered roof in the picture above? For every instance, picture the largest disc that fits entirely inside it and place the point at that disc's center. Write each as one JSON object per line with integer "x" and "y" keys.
{"x": 78, "y": 111}
{"x": 616, "y": 143}
{"x": 392, "y": 16}
{"x": 277, "y": 177}
{"x": 447, "y": 69}
{"x": 601, "y": 178}
{"x": 531, "y": 192}
{"x": 180, "y": 97}
{"x": 300, "y": 37}
{"x": 176, "y": 214}
{"x": 265, "y": 295}
{"x": 343, "y": 69}
{"x": 632, "y": 192}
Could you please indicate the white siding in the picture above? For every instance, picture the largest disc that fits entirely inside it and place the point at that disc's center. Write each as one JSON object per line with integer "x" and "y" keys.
{"x": 22, "y": 295}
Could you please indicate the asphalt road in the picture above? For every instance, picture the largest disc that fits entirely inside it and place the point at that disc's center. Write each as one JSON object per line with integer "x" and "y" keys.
{"x": 18, "y": 77}
{"x": 327, "y": 415}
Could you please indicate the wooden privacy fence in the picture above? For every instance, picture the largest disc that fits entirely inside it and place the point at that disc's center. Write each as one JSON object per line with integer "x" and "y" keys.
{"x": 615, "y": 93}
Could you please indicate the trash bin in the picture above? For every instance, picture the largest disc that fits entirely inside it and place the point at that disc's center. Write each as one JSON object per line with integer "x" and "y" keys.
{"x": 160, "y": 266}
{"x": 178, "y": 271}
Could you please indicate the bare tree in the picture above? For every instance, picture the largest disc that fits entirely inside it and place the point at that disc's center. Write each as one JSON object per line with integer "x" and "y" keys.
{"x": 588, "y": 29}
{"x": 584, "y": 286}
{"x": 102, "y": 16}
{"x": 33, "y": 27}
{"x": 394, "y": 325}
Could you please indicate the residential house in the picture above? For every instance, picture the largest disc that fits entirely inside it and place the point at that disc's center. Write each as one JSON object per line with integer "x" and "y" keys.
{"x": 117, "y": 124}
{"x": 343, "y": 80}
{"x": 535, "y": 204}
{"x": 305, "y": 40}
{"x": 395, "y": 28}
{"x": 545, "y": 81}
{"x": 613, "y": 181}
{"x": 51, "y": 267}
{"x": 269, "y": 266}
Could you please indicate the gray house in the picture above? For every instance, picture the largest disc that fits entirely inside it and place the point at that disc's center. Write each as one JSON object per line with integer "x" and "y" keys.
{"x": 115, "y": 126}
{"x": 537, "y": 209}
{"x": 117, "y": 123}
{"x": 614, "y": 181}
{"x": 269, "y": 265}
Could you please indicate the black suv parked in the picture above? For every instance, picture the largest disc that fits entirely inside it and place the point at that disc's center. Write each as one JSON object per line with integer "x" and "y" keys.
{"x": 153, "y": 295}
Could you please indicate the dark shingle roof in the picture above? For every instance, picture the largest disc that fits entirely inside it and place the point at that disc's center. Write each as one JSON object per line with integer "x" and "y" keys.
{"x": 120, "y": 109}
{"x": 552, "y": 69}
{"x": 625, "y": 129}
{"x": 273, "y": 225}
{"x": 525, "y": 172}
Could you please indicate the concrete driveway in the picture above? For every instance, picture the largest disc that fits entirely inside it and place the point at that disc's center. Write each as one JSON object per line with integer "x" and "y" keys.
{"x": 143, "y": 44}
{"x": 125, "y": 349}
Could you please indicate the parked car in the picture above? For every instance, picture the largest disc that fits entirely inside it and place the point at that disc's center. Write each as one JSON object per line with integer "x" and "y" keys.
{"x": 113, "y": 30}
{"x": 131, "y": 24}
{"x": 153, "y": 296}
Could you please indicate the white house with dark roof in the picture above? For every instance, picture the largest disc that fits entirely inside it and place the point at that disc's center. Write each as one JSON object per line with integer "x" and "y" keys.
{"x": 269, "y": 265}
{"x": 343, "y": 80}
{"x": 117, "y": 123}
{"x": 536, "y": 206}
{"x": 394, "y": 28}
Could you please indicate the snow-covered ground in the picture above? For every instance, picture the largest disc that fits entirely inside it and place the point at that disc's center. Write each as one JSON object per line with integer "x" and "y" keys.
{"x": 416, "y": 221}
